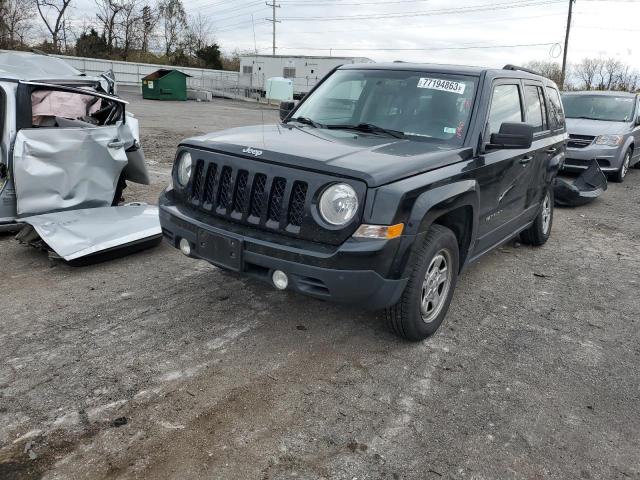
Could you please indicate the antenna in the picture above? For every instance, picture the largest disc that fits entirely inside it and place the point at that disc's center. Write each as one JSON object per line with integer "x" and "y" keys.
{"x": 273, "y": 21}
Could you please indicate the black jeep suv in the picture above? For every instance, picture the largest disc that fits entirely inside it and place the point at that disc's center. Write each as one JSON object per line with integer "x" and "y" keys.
{"x": 378, "y": 188}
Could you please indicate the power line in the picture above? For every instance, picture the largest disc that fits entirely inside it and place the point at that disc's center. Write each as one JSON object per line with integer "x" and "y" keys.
{"x": 446, "y": 11}
{"x": 420, "y": 49}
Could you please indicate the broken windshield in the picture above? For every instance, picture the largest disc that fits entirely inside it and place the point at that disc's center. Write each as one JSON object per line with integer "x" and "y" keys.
{"x": 416, "y": 105}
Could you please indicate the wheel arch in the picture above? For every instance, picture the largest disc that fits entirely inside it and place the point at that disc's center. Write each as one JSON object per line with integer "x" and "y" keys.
{"x": 454, "y": 206}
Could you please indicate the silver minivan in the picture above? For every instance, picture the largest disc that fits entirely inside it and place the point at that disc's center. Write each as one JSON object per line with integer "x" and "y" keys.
{"x": 604, "y": 126}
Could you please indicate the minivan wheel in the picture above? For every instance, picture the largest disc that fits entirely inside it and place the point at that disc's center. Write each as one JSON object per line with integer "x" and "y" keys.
{"x": 426, "y": 298}
{"x": 540, "y": 231}
{"x": 618, "y": 177}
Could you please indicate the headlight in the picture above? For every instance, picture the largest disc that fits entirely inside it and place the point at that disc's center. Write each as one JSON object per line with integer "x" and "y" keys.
{"x": 611, "y": 140}
{"x": 338, "y": 204}
{"x": 184, "y": 169}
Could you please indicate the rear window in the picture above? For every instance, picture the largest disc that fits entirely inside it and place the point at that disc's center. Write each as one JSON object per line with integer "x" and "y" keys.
{"x": 536, "y": 115}
{"x": 556, "y": 113}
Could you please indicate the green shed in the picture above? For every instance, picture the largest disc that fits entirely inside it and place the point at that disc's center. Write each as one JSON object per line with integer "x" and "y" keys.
{"x": 165, "y": 84}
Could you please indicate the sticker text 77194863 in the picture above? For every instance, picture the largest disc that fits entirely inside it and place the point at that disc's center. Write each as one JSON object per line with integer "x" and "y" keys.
{"x": 440, "y": 84}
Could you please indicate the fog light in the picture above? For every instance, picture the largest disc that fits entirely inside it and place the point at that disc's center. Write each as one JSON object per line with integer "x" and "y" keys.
{"x": 185, "y": 246}
{"x": 280, "y": 279}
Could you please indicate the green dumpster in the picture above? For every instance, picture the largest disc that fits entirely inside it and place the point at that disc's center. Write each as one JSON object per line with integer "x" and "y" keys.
{"x": 165, "y": 84}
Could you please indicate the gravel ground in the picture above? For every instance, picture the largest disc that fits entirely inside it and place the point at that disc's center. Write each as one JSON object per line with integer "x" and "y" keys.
{"x": 159, "y": 366}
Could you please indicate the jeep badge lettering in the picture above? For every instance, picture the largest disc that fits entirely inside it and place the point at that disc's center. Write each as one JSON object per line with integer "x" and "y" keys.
{"x": 252, "y": 151}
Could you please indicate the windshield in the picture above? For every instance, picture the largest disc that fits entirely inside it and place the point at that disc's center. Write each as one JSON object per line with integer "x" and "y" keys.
{"x": 420, "y": 105}
{"x": 598, "y": 107}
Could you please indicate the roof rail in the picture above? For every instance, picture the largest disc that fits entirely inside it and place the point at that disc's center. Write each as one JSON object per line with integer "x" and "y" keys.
{"x": 522, "y": 69}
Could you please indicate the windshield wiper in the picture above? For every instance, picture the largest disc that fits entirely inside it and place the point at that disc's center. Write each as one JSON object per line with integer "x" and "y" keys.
{"x": 306, "y": 121}
{"x": 584, "y": 117}
{"x": 369, "y": 128}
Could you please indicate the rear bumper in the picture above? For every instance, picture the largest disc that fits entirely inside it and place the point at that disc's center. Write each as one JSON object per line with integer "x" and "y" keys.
{"x": 609, "y": 158}
{"x": 354, "y": 272}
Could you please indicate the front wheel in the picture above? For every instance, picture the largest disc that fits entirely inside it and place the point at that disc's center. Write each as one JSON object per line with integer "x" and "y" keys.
{"x": 540, "y": 231}
{"x": 425, "y": 301}
{"x": 618, "y": 177}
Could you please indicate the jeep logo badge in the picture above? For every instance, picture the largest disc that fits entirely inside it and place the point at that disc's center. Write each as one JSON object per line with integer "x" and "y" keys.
{"x": 252, "y": 151}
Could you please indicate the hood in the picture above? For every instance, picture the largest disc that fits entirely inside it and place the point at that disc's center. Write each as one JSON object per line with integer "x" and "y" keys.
{"x": 375, "y": 159}
{"x": 582, "y": 126}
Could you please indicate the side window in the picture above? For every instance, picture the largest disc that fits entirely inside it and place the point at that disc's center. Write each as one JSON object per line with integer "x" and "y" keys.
{"x": 536, "y": 115}
{"x": 505, "y": 107}
{"x": 556, "y": 113}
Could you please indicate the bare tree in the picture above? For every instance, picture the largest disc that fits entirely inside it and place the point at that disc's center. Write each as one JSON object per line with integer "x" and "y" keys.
{"x": 198, "y": 33}
{"x": 551, "y": 70}
{"x": 174, "y": 21}
{"x": 129, "y": 26}
{"x": 107, "y": 15}
{"x": 149, "y": 21}
{"x": 586, "y": 71}
{"x": 52, "y": 13}
{"x": 15, "y": 22}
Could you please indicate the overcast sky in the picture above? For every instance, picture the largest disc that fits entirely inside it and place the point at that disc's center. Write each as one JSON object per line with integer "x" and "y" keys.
{"x": 600, "y": 28}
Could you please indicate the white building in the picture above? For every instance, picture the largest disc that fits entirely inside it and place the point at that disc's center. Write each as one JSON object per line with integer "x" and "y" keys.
{"x": 305, "y": 71}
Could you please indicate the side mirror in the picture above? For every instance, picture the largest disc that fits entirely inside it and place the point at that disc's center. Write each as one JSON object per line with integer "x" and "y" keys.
{"x": 637, "y": 122}
{"x": 513, "y": 136}
{"x": 285, "y": 109}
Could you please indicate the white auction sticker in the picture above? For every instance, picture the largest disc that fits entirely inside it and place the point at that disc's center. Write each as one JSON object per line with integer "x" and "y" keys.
{"x": 440, "y": 84}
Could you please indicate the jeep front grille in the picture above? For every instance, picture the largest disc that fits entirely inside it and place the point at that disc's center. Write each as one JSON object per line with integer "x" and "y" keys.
{"x": 254, "y": 198}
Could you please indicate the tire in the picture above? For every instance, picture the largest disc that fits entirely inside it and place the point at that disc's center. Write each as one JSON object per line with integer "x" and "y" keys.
{"x": 619, "y": 176}
{"x": 117, "y": 197}
{"x": 408, "y": 318}
{"x": 540, "y": 231}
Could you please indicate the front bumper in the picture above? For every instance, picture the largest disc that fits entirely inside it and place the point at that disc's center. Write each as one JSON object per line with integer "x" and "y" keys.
{"x": 609, "y": 158}
{"x": 355, "y": 272}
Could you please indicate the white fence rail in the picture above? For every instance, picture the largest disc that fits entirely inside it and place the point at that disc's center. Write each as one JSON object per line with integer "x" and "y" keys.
{"x": 219, "y": 82}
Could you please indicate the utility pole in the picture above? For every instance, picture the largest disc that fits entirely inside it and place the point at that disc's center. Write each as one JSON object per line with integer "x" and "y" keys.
{"x": 566, "y": 45}
{"x": 273, "y": 21}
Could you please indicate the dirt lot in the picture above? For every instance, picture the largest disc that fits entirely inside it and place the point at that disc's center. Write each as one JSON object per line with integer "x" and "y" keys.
{"x": 535, "y": 374}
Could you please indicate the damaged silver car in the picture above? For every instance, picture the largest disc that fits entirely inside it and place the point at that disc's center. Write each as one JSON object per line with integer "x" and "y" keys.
{"x": 67, "y": 150}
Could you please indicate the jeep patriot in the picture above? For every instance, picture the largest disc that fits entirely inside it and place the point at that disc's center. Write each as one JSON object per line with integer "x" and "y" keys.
{"x": 378, "y": 188}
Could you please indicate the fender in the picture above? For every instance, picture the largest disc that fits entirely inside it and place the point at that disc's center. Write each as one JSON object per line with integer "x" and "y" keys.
{"x": 426, "y": 207}
{"x": 627, "y": 144}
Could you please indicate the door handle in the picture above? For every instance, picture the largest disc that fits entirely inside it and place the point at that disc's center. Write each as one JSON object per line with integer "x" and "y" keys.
{"x": 526, "y": 159}
{"x": 115, "y": 144}
{"x": 551, "y": 150}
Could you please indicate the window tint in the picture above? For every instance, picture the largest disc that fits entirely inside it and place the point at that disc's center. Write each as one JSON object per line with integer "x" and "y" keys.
{"x": 505, "y": 107}
{"x": 556, "y": 114}
{"x": 535, "y": 107}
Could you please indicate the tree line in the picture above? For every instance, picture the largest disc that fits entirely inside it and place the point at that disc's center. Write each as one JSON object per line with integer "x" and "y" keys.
{"x": 132, "y": 30}
{"x": 592, "y": 74}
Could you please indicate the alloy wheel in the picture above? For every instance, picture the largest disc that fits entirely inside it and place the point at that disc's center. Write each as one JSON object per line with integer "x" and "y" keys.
{"x": 435, "y": 287}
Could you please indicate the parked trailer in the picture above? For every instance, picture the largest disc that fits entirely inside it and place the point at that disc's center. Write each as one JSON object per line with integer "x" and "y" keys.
{"x": 305, "y": 71}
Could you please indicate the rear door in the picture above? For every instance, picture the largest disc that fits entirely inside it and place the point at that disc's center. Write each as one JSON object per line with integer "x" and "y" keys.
{"x": 69, "y": 150}
{"x": 542, "y": 148}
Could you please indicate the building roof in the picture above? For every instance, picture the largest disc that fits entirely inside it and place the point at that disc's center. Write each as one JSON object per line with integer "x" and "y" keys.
{"x": 316, "y": 57}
